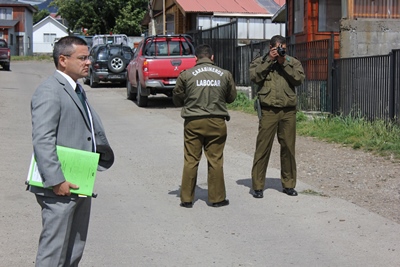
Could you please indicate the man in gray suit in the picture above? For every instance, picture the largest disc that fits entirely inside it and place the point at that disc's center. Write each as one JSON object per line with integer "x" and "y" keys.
{"x": 60, "y": 117}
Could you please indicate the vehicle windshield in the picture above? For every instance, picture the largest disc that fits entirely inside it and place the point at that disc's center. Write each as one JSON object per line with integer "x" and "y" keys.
{"x": 167, "y": 48}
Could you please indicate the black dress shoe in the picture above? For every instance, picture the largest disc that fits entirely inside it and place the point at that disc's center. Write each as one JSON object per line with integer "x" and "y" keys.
{"x": 258, "y": 194}
{"x": 186, "y": 204}
{"x": 290, "y": 191}
{"x": 224, "y": 202}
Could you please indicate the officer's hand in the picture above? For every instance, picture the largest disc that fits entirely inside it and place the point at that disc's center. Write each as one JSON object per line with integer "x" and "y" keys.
{"x": 63, "y": 189}
{"x": 273, "y": 53}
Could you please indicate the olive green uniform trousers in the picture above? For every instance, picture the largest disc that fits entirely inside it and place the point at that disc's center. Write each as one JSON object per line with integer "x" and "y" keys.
{"x": 208, "y": 134}
{"x": 280, "y": 121}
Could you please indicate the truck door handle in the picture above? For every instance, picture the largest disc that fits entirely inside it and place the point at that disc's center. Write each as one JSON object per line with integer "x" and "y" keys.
{"x": 176, "y": 62}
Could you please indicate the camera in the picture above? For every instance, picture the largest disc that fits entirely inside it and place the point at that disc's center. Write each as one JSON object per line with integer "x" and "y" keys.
{"x": 281, "y": 51}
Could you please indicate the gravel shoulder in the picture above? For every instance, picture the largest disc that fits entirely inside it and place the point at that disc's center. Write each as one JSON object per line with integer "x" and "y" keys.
{"x": 367, "y": 180}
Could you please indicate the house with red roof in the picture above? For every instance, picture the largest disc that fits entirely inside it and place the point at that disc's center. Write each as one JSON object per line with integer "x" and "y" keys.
{"x": 185, "y": 16}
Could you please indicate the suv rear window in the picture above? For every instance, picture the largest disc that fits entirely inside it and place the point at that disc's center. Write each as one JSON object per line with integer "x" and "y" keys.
{"x": 114, "y": 50}
{"x": 3, "y": 43}
{"x": 102, "y": 54}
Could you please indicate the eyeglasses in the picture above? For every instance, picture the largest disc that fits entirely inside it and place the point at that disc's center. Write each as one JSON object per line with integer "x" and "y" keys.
{"x": 81, "y": 58}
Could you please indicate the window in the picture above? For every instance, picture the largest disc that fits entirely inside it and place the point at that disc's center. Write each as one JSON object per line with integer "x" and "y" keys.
{"x": 6, "y": 13}
{"x": 170, "y": 24}
{"x": 49, "y": 37}
{"x": 298, "y": 16}
{"x": 329, "y": 15}
{"x": 387, "y": 9}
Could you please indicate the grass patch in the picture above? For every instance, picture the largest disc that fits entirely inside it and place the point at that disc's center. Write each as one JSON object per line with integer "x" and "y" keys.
{"x": 31, "y": 58}
{"x": 380, "y": 137}
{"x": 376, "y": 136}
{"x": 243, "y": 103}
{"x": 313, "y": 193}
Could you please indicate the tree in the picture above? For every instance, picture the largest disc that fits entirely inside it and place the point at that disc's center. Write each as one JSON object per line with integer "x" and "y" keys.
{"x": 103, "y": 16}
{"x": 40, "y": 15}
{"x": 130, "y": 18}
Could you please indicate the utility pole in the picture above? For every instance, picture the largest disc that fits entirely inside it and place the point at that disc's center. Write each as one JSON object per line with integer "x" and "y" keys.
{"x": 153, "y": 25}
{"x": 164, "y": 17}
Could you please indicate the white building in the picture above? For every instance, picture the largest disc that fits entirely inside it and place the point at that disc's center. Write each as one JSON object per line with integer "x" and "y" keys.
{"x": 45, "y": 32}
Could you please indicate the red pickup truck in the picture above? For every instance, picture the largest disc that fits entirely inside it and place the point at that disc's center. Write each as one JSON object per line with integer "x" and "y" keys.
{"x": 5, "y": 55}
{"x": 157, "y": 62}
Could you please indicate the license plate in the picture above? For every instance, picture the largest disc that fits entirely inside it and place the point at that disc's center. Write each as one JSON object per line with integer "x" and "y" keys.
{"x": 172, "y": 81}
{"x": 115, "y": 76}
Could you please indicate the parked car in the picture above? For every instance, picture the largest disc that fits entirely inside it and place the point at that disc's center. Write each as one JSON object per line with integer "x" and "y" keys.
{"x": 5, "y": 55}
{"x": 156, "y": 64}
{"x": 109, "y": 61}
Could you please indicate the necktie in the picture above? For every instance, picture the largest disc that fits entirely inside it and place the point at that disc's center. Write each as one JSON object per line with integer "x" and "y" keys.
{"x": 82, "y": 98}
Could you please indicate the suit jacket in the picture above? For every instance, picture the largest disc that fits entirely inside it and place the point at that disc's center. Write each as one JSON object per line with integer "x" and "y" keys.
{"x": 59, "y": 118}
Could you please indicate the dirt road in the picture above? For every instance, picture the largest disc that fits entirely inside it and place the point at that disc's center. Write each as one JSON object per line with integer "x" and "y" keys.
{"x": 136, "y": 219}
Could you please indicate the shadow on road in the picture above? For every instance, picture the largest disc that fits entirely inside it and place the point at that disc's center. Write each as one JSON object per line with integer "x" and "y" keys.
{"x": 270, "y": 183}
{"x": 158, "y": 102}
{"x": 199, "y": 194}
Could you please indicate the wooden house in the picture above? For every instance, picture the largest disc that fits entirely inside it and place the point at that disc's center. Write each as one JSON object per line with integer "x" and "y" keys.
{"x": 356, "y": 26}
{"x": 185, "y": 16}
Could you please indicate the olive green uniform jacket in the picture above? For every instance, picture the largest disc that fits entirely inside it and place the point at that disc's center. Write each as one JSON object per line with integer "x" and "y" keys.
{"x": 204, "y": 90}
{"x": 276, "y": 83}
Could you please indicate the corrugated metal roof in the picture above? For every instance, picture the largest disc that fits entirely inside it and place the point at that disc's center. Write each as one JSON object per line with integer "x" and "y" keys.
{"x": 222, "y": 6}
{"x": 4, "y": 23}
{"x": 270, "y": 5}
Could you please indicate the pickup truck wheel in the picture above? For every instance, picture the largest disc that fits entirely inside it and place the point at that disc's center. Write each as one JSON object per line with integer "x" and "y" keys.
{"x": 92, "y": 82}
{"x": 141, "y": 100}
{"x": 6, "y": 67}
{"x": 129, "y": 94}
{"x": 116, "y": 64}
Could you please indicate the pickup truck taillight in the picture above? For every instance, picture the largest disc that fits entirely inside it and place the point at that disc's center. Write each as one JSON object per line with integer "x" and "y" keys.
{"x": 145, "y": 66}
{"x": 9, "y": 53}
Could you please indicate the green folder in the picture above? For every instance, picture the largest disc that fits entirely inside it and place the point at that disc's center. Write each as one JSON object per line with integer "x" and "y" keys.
{"x": 78, "y": 166}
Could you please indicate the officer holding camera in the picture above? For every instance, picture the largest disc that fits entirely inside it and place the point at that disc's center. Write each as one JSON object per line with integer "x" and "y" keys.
{"x": 276, "y": 74}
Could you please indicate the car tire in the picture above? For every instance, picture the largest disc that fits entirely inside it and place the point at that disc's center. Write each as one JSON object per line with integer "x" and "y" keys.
{"x": 116, "y": 64}
{"x": 92, "y": 82}
{"x": 141, "y": 100}
{"x": 129, "y": 94}
{"x": 6, "y": 67}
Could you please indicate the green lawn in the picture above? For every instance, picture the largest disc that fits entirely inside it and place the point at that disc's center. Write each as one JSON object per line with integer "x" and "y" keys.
{"x": 382, "y": 138}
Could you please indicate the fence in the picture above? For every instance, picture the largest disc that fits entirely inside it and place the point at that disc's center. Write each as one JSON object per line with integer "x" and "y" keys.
{"x": 368, "y": 86}
{"x": 223, "y": 40}
{"x": 315, "y": 94}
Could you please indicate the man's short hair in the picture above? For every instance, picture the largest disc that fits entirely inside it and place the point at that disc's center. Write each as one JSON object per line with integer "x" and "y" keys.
{"x": 203, "y": 50}
{"x": 277, "y": 39}
{"x": 64, "y": 46}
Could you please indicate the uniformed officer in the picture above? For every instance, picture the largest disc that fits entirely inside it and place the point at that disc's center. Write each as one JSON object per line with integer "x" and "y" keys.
{"x": 203, "y": 92}
{"x": 276, "y": 74}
